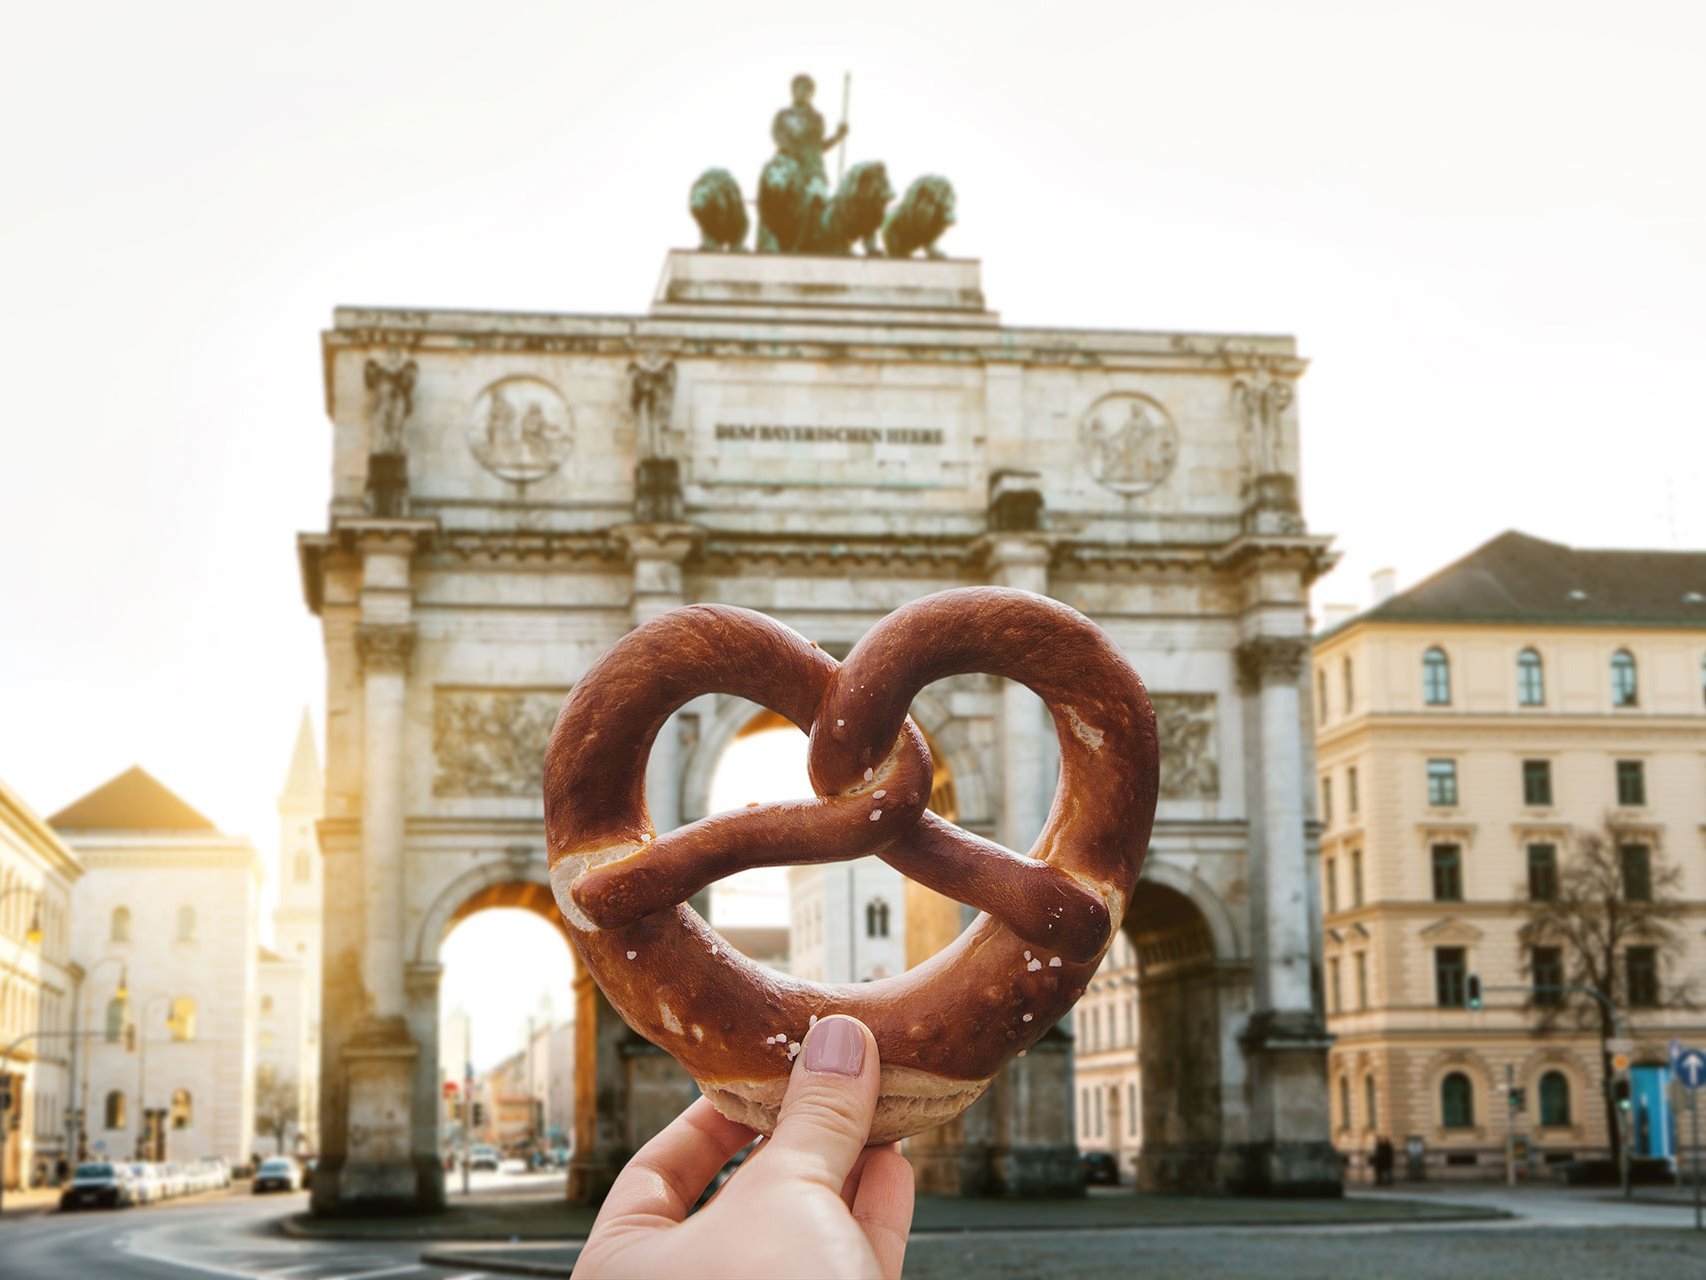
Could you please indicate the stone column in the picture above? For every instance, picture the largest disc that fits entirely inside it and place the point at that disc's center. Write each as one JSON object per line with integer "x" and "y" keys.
{"x": 1028, "y": 765}
{"x": 420, "y": 990}
{"x": 386, "y": 649}
{"x": 1285, "y": 1041}
{"x": 656, "y": 553}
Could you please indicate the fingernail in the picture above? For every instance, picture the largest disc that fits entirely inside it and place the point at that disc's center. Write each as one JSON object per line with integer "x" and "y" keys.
{"x": 836, "y": 1045}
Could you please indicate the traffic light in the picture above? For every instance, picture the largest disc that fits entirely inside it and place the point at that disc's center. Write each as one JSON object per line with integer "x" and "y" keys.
{"x": 1519, "y": 1099}
{"x": 1620, "y": 1091}
{"x": 1473, "y": 990}
{"x": 479, "y": 1114}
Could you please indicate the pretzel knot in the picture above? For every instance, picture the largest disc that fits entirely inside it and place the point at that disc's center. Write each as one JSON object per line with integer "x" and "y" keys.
{"x": 943, "y": 1028}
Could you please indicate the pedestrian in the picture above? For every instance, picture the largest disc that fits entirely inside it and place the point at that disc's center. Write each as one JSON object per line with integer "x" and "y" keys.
{"x": 1385, "y": 1157}
{"x": 812, "y": 1199}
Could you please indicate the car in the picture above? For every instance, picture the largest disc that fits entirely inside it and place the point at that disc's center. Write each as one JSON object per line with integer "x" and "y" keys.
{"x": 99, "y": 1186}
{"x": 220, "y": 1168}
{"x": 483, "y": 1157}
{"x": 1101, "y": 1167}
{"x": 280, "y": 1173}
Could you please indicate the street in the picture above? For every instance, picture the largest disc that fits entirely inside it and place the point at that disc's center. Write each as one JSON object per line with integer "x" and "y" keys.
{"x": 1553, "y": 1233}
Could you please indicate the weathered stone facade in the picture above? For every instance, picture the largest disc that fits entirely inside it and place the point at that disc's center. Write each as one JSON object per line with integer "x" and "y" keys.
{"x": 835, "y": 437}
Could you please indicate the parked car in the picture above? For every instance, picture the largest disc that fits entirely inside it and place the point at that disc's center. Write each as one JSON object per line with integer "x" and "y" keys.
{"x": 99, "y": 1186}
{"x": 484, "y": 1157}
{"x": 220, "y": 1168}
{"x": 1101, "y": 1167}
{"x": 280, "y": 1173}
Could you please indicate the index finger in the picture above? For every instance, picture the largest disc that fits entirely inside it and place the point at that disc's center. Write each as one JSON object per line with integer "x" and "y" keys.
{"x": 666, "y": 1175}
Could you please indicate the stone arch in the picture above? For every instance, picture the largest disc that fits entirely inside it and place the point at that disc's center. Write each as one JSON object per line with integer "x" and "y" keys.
{"x": 510, "y": 882}
{"x": 1217, "y": 918}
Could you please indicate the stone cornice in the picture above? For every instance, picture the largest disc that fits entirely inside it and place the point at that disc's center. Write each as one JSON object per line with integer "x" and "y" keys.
{"x": 56, "y": 856}
{"x": 1311, "y": 554}
{"x": 1272, "y": 659}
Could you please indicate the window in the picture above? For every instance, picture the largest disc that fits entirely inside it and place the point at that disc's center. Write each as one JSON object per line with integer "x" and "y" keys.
{"x": 1344, "y": 1102}
{"x": 121, "y": 924}
{"x": 1321, "y": 696}
{"x": 876, "y": 918}
{"x": 1370, "y": 1103}
{"x": 1641, "y": 972}
{"x": 1442, "y": 782}
{"x": 1637, "y": 866}
{"x": 1456, "y": 1102}
{"x": 182, "y": 1114}
{"x": 186, "y": 923}
{"x": 1333, "y": 1002}
{"x": 1130, "y": 1028}
{"x": 1537, "y": 783}
{"x": 115, "y": 1110}
{"x": 1131, "y": 1108}
{"x": 1326, "y": 802}
{"x": 266, "y": 1005}
{"x": 115, "y": 1020}
{"x": 1546, "y": 967}
{"x": 1631, "y": 783}
{"x": 1530, "y": 680}
{"x": 1554, "y": 1099}
{"x": 1350, "y": 686}
{"x": 1436, "y": 678}
{"x": 1623, "y": 690}
{"x": 1451, "y": 966}
{"x": 1542, "y": 872}
{"x": 1352, "y": 804}
{"x": 181, "y": 1019}
{"x": 1448, "y": 872}
{"x": 1356, "y": 877}
{"x": 1098, "y": 1113}
{"x": 1362, "y": 979}
{"x": 1331, "y": 876}
{"x": 1084, "y": 1111}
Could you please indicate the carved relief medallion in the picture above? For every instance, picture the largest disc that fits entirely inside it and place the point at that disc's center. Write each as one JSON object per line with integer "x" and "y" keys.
{"x": 1184, "y": 725}
{"x": 491, "y": 742}
{"x": 1130, "y": 443}
{"x": 521, "y": 429}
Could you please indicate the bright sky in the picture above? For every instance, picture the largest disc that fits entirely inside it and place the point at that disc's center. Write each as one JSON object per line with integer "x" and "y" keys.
{"x": 1482, "y": 220}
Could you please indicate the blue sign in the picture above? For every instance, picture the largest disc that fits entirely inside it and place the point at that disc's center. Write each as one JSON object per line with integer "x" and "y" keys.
{"x": 1691, "y": 1068}
{"x": 1674, "y": 1053}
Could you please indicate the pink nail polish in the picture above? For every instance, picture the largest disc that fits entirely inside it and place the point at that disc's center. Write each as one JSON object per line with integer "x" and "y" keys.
{"x": 836, "y": 1045}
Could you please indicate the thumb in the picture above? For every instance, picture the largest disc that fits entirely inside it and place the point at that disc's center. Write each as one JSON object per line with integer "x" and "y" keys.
{"x": 832, "y": 1096}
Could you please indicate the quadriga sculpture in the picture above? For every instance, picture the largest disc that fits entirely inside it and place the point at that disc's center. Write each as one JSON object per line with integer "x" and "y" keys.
{"x": 919, "y": 220}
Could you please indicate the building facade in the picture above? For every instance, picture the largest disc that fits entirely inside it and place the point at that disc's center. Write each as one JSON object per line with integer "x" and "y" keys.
{"x": 1470, "y": 733}
{"x": 165, "y": 925}
{"x": 38, "y": 986}
{"x": 823, "y": 440}
{"x": 847, "y": 921}
{"x": 297, "y": 937}
{"x": 1106, "y": 1061}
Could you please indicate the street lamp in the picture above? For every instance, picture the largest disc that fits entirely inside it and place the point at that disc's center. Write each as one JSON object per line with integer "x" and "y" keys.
{"x": 121, "y": 993}
{"x": 142, "y": 1073}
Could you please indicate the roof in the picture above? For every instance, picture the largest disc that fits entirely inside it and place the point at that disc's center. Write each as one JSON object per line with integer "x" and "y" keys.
{"x": 29, "y": 828}
{"x": 1520, "y": 578}
{"x": 133, "y": 801}
{"x": 303, "y": 779}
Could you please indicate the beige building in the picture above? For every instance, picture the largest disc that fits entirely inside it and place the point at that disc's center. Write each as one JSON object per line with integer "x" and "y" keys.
{"x": 37, "y": 986}
{"x": 1469, "y": 731}
{"x": 1105, "y": 1060}
{"x": 165, "y": 928}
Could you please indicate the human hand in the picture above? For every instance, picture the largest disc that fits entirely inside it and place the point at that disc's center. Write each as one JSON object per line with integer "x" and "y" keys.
{"x": 811, "y": 1201}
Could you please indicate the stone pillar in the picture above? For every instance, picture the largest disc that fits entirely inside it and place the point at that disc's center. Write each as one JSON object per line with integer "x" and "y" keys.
{"x": 1036, "y": 1151}
{"x": 385, "y": 650}
{"x": 1028, "y": 763}
{"x": 1285, "y": 1042}
{"x": 601, "y": 1095}
{"x": 420, "y": 993}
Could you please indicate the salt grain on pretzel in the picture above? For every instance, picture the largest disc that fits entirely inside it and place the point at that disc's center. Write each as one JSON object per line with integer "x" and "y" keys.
{"x": 944, "y": 1028}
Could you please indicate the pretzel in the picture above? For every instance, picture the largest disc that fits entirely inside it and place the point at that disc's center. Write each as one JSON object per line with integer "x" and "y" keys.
{"x": 944, "y": 1028}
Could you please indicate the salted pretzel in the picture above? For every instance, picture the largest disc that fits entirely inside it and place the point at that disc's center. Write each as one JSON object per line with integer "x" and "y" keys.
{"x": 944, "y": 1028}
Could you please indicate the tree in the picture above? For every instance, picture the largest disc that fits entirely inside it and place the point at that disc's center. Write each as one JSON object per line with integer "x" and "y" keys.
{"x": 1616, "y": 891}
{"x": 276, "y": 1106}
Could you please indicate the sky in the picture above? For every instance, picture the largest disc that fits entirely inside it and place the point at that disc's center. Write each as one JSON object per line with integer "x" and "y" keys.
{"x": 1482, "y": 221}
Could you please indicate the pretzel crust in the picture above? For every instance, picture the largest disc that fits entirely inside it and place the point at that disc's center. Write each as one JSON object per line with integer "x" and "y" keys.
{"x": 944, "y": 1028}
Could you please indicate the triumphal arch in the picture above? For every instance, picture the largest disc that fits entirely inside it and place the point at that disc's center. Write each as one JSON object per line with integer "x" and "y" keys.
{"x": 823, "y": 437}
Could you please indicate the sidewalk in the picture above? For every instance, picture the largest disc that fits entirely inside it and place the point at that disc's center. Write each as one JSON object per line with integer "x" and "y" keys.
{"x": 26, "y": 1204}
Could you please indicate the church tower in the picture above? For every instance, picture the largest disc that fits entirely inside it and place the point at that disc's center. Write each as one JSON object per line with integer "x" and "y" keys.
{"x": 296, "y": 923}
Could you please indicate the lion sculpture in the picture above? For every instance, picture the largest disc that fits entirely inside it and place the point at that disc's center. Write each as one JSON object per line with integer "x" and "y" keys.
{"x": 720, "y": 212}
{"x": 856, "y": 214}
{"x": 919, "y": 220}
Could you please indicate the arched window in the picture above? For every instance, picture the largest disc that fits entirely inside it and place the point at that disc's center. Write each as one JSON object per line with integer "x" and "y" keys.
{"x": 1436, "y": 678}
{"x": 186, "y": 923}
{"x": 182, "y": 1113}
{"x": 1623, "y": 690}
{"x": 182, "y": 1018}
{"x": 1530, "y": 680}
{"x": 1350, "y": 686}
{"x": 1344, "y": 1102}
{"x": 121, "y": 924}
{"x": 115, "y": 1020}
{"x": 115, "y": 1110}
{"x": 1456, "y": 1102}
{"x": 876, "y": 918}
{"x": 1554, "y": 1098}
{"x": 1370, "y": 1101}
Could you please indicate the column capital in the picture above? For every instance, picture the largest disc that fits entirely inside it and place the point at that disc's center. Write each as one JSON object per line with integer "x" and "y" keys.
{"x": 385, "y": 646}
{"x": 1272, "y": 660}
{"x": 668, "y": 542}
